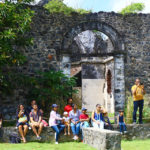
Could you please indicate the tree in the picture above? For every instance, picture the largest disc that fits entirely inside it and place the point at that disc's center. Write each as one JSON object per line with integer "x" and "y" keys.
{"x": 50, "y": 87}
{"x": 133, "y": 8}
{"x": 57, "y": 6}
{"x": 15, "y": 19}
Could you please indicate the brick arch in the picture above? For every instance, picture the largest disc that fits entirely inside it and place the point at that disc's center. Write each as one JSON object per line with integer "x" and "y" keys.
{"x": 108, "y": 30}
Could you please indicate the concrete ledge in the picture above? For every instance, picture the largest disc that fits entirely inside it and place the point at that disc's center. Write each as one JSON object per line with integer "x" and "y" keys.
{"x": 47, "y": 135}
{"x": 102, "y": 139}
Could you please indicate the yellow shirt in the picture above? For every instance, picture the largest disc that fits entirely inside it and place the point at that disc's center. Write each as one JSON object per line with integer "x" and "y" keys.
{"x": 138, "y": 94}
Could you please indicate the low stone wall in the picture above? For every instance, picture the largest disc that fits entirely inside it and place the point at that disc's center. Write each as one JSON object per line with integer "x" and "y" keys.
{"x": 102, "y": 139}
{"x": 138, "y": 131}
{"x": 47, "y": 135}
{"x": 134, "y": 132}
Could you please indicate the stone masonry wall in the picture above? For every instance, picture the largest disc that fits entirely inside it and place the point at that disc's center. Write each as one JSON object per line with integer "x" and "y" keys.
{"x": 52, "y": 33}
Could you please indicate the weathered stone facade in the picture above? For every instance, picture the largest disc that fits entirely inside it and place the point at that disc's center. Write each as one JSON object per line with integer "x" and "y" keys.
{"x": 54, "y": 34}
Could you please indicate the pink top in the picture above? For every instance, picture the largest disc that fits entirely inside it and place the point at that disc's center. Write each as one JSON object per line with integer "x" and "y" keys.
{"x": 53, "y": 118}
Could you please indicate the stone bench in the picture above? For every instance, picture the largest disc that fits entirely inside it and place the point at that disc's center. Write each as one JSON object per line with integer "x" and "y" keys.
{"x": 102, "y": 139}
{"x": 47, "y": 135}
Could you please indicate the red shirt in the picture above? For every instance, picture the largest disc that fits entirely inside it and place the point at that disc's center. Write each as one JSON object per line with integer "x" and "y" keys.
{"x": 68, "y": 108}
{"x": 84, "y": 116}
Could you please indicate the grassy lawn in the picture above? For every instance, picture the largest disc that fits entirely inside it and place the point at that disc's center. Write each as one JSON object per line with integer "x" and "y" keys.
{"x": 46, "y": 146}
{"x": 126, "y": 145}
{"x": 136, "y": 145}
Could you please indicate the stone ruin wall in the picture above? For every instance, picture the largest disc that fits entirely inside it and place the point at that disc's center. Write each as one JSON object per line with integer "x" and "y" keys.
{"x": 48, "y": 31}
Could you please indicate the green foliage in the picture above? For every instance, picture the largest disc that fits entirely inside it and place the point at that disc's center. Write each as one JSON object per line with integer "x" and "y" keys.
{"x": 50, "y": 87}
{"x": 133, "y": 8}
{"x": 57, "y": 6}
{"x": 15, "y": 19}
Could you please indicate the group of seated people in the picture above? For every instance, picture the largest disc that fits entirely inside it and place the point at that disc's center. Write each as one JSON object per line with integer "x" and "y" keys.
{"x": 73, "y": 119}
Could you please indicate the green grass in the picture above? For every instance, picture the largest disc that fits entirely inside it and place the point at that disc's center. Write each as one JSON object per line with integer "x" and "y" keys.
{"x": 46, "y": 146}
{"x": 126, "y": 145}
{"x": 136, "y": 145}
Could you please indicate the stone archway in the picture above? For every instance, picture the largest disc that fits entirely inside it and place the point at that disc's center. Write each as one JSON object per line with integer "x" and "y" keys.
{"x": 117, "y": 53}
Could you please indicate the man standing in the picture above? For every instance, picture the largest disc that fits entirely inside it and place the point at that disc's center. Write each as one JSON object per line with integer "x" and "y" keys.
{"x": 36, "y": 121}
{"x": 138, "y": 93}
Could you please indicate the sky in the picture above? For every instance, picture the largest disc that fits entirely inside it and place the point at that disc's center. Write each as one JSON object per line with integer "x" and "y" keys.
{"x": 106, "y": 5}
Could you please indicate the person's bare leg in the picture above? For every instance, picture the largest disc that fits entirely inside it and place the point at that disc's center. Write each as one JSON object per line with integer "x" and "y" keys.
{"x": 25, "y": 131}
{"x": 68, "y": 129}
{"x": 65, "y": 130}
{"x": 34, "y": 130}
{"x": 40, "y": 128}
{"x": 21, "y": 132}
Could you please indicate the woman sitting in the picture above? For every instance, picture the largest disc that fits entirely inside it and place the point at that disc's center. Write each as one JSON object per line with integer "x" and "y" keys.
{"x": 22, "y": 122}
{"x": 54, "y": 124}
{"x": 97, "y": 117}
{"x": 75, "y": 121}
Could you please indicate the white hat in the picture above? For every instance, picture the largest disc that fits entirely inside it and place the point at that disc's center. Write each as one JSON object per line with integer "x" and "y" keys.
{"x": 65, "y": 113}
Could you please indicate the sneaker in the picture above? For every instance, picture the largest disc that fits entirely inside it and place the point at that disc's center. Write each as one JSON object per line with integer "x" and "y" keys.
{"x": 56, "y": 142}
{"x": 134, "y": 123}
{"x": 125, "y": 131}
{"x": 29, "y": 128}
{"x": 76, "y": 138}
{"x": 39, "y": 138}
{"x": 73, "y": 138}
{"x": 121, "y": 133}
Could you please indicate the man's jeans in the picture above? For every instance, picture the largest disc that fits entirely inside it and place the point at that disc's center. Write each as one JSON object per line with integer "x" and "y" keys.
{"x": 84, "y": 124}
{"x": 75, "y": 128}
{"x": 58, "y": 129}
{"x": 122, "y": 127}
{"x": 137, "y": 104}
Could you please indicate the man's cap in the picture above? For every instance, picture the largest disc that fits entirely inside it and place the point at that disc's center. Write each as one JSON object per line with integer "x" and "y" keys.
{"x": 54, "y": 105}
{"x": 83, "y": 109}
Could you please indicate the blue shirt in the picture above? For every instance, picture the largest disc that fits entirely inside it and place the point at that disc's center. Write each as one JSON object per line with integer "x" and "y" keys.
{"x": 98, "y": 116}
{"x": 74, "y": 116}
{"x": 120, "y": 119}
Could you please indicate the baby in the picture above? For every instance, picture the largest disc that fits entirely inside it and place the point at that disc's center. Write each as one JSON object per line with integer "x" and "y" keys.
{"x": 66, "y": 120}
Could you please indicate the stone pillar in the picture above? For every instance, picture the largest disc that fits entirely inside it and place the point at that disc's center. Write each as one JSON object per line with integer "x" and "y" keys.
{"x": 119, "y": 91}
{"x": 65, "y": 65}
{"x": 92, "y": 84}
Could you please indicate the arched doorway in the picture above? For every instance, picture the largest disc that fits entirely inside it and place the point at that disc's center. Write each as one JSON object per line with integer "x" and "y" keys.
{"x": 95, "y": 65}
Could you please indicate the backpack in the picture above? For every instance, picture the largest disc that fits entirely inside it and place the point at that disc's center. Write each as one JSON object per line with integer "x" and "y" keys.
{"x": 14, "y": 138}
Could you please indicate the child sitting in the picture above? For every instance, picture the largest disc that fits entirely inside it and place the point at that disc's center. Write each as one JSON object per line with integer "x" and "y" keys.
{"x": 121, "y": 122}
{"x": 107, "y": 124}
{"x": 84, "y": 119}
{"x": 66, "y": 120}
